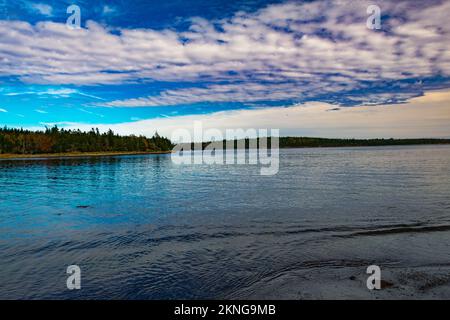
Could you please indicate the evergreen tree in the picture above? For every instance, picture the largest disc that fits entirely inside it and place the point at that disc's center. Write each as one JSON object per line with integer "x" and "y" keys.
{"x": 55, "y": 140}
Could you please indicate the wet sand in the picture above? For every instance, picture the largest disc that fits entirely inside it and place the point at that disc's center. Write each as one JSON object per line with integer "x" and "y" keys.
{"x": 431, "y": 282}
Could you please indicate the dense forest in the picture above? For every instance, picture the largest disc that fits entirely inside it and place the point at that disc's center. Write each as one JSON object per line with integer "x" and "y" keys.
{"x": 298, "y": 142}
{"x": 55, "y": 140}
{"x": 307, "y": 142}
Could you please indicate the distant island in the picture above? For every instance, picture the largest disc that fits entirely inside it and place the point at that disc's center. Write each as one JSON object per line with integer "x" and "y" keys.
{"x": 61, "y": 142}
{"x": 301, "y": 142}
{"x": 310, "y": 142}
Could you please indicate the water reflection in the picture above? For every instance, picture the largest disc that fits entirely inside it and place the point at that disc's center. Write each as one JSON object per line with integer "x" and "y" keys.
{"x": 143, "y": 227}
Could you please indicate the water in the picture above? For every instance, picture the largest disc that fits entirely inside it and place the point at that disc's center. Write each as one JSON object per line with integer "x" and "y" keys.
{"x": 156, "y": 230}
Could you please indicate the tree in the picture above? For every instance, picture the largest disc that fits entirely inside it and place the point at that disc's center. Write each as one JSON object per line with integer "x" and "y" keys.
{"x": 55, "y": 140}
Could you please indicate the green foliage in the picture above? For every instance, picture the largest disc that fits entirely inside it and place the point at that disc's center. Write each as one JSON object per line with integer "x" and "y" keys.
{"x": 299, "y": 142}
{"x": 55, "y": 140}
{"x": 307, "y": 142}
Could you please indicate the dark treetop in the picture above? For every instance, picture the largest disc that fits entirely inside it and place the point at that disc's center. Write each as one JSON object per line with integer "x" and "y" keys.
{"x": 55, "y": 140}
{"x": 310, "y": 142}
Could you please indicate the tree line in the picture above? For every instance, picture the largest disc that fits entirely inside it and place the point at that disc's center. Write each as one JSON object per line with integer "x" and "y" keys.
{"x": 298, "y": 142}
{"x": 310, "y": 142}
{"x": 56, "y": 140}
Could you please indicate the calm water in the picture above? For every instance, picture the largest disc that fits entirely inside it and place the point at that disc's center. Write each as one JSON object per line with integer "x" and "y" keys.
{"x": 156, "y": 230}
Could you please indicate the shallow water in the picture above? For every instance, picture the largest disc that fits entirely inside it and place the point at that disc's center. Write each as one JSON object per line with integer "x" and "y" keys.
{"x": 141, "y": 227}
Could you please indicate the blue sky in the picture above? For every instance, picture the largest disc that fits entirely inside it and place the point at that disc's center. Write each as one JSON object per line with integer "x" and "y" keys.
{"x": 134, "y": 61}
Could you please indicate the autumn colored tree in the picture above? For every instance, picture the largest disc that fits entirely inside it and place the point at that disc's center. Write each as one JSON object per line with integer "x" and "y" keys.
{"x": 55, "y": 140}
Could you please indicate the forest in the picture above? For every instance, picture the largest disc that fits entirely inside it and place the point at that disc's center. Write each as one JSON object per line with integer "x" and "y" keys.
{"x": 298, "y": 142}
{"x": 56, "y": 140}
{"x": 311, "y": 142}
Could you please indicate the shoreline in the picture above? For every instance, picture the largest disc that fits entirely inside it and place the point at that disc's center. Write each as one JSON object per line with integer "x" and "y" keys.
{"x": 12, "y": 156}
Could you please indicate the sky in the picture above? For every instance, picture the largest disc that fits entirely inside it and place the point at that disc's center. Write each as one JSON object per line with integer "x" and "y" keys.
{"x": 310, "y": 68}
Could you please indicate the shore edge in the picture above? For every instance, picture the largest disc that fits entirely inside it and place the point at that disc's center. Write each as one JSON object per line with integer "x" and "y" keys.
{"x": 11, "y": 156}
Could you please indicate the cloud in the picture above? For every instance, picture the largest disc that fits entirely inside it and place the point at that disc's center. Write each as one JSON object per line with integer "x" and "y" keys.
{"x": 43, "y": 9}
{"x": 90, "y": 112}
{"x": 58, "y": 92}
{"x": 249, "y": 92}
{"x": 108, "y": 10}
{"x": 40, "y": 111}
{"x": 426, "y": 116}
{"x": 61, "y": 93}
{"x": 301, "y": 50}
{"x": 3, "y": 110}
{"x": 52, "y": 92}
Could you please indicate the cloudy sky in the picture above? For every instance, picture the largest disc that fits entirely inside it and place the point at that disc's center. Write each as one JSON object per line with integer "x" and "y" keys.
{"x": 305, "y": 67}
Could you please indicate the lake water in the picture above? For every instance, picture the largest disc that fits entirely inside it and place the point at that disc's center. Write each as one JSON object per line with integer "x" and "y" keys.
{"x": 151, "y": 229}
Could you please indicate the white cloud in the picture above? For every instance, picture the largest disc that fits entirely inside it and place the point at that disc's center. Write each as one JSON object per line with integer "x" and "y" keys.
{"x": 108, "y": 10}
{"x": 43, "y": 9}
{"x": 250, "y": 92}
{"x": 58, "y": 92}
{"x": 90, "y": 112}
{"x": 40, "y": 111}
{"x": 3, "y": 110}
{"x": 427, "y": 116}
{"x": 52, "y": 92}
{"x": 292, "y": 47}
{"x": 62, "y": 93}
